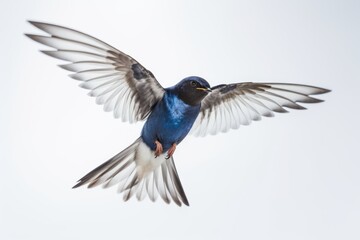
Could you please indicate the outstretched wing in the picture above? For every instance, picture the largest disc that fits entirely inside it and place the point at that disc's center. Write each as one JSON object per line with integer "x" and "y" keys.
{"x": 230, "y": 105}
{"x": 118, "y": 81}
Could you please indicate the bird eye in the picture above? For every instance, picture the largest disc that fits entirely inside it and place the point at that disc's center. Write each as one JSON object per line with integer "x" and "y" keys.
{"x": 193, "y": 83}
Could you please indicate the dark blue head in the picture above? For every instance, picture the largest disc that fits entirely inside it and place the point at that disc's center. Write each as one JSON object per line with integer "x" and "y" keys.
{"x": 192, "y": 90}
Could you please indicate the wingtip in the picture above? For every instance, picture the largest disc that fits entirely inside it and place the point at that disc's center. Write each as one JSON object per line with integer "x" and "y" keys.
{"x": 29, "y": 35}
{"x": 279, "y": 110}
{"x": 77, "y": 185}
{"x": 40, "y": 25}
{"x": 34, "y": 23}
{"x": 66, "y": 67}
{"x": 48, "y": 52}
{"x": 321, "y": 91}
{"x": 32, "y": 36}
{"x": 318, "y": 100}
{"x": 76, "y": 77}
{"x": 326, "y": 90}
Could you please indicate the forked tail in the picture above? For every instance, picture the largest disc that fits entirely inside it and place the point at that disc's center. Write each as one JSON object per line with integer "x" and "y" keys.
{"x": 136, "y": 170}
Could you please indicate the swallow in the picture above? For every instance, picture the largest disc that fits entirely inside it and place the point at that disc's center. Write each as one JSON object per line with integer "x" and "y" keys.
{"x": 123, "y": 86}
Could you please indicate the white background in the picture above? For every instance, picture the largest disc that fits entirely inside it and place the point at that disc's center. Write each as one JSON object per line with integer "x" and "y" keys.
{"x": 295, "y": 176}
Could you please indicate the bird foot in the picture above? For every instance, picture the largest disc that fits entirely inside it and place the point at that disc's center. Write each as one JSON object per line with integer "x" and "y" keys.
{"x": 158, "y": 149}
{"x": 171, "y": 151}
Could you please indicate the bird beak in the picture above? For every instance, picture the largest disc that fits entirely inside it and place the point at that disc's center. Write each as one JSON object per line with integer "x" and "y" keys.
{"x": 204, "y": 89}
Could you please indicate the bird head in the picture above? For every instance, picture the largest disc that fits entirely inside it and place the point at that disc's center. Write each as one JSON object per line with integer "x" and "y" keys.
{"x": 192, "y": 90}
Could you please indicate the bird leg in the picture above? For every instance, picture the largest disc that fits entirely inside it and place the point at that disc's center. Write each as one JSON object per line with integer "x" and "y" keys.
{"x": 158, "y": 149}
{"x": 171, "y": 151}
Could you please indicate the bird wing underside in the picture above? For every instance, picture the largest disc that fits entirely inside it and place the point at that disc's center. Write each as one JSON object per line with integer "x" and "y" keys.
{"x": 116, "y": 80}
{"x": 229, "y": 106}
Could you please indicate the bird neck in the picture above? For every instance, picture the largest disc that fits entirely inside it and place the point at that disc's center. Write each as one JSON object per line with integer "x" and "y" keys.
{"x": 188, "y": 97}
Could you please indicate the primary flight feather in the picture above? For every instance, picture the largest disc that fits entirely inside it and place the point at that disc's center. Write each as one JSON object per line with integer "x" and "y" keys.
{"x": 122, "y": 85}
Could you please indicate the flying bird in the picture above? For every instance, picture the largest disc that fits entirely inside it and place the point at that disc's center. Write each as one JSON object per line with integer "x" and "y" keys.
{"x": 126, "y": 88}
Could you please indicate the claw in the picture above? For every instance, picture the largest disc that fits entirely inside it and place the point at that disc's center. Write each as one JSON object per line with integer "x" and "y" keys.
{"x": 171, "y": 151}
{"x": 158, "y": 149}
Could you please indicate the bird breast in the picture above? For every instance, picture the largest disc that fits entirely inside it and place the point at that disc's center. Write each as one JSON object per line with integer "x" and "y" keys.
{"x": 170, "y": 121}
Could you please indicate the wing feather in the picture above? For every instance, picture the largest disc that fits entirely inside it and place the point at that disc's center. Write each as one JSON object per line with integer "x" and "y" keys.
{"x": 229, "y": 106}
{"x": 108, "y": 73}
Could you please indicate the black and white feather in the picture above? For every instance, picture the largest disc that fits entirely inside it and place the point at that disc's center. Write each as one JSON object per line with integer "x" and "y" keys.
{"x": 138, "y": 172}
{"x": 118, "y": 81}
{"x": 125, "y": 87}
{"x": 229, "y": 106}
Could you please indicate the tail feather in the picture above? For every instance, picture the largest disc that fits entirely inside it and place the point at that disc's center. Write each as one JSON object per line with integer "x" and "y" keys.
{"x": 138, "y": 172}
{"x": 106, "y": 170}
{"x": 160, "y": 185}
{"x": 120, "y": 174}
{"x": 141, "y": 191}
{"x": 169, "y": 184}
{"x": 176, "y": 180}
{"x": 131, "y": 186}
{"x": 151, "y": 188}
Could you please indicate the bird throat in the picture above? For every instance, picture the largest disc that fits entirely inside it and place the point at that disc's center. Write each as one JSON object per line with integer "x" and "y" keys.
{"x": 192, "y": 97}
